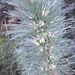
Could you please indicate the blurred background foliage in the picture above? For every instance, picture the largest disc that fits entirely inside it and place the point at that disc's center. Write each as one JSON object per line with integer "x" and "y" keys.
{"x": 6, "y": 51}
{"x": 6, "y": 54}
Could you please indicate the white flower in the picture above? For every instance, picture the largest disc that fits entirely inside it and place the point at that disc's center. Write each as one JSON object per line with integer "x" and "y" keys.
{"x": 36, "y": 41}
{"x": 41, "y": 49}
{"x": 52, "y": 56}
{"x": 50, "y": 34}
{"x": 49, "y": 47}
{"x": 44, "y": 34}
{"x": 42, "y": 40}
{"x": 41, "y": 23}
{"x": 65, "y": 54}
{"x": 67, "y": 59}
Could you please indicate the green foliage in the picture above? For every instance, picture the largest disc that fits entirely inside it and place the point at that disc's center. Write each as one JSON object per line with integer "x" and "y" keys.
{"x": 38, "y": 37}
{"x": 6, "y": 53}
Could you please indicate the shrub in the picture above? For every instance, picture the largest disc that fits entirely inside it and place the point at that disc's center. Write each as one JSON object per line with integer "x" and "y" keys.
{"x": 39, "y": 46}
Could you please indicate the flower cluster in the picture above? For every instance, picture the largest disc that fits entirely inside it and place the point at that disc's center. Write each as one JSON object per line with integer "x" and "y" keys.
{"x": 43, "y": 42}
{"x": 39, "y": 41}
{"x": 46, "y": 47}
{"x": 43, "y": 23}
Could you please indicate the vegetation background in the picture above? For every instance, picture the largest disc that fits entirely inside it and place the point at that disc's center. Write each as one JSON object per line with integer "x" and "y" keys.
{"x": 6, "y": 50}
